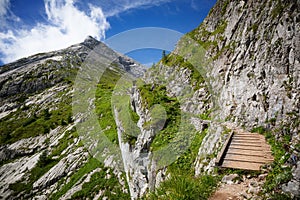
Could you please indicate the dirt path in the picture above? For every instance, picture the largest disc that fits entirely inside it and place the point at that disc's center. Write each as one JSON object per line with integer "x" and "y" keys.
{"x": 240, "y": 188}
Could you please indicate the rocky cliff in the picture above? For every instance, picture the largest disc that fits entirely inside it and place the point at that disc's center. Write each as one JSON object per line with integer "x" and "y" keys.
{"x": 255, "y": 72}
{"x": 162, "y": 129}
{"x": 251, "y": 70}
{"x": 41, "y": 153}
{"x": 241, "y": 68}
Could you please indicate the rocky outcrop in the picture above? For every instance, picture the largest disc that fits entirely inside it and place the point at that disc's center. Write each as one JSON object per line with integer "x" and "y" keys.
{"x": 255, "y": 70}
{"x": 137, "y": 158}
{"x": 256, "y": 67}
{"x": 38, "y": 90}
{"x": 293, "y": 186}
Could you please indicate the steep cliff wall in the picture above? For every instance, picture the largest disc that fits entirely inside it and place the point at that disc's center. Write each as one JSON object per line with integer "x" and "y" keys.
{"x": 252, "y": 76}
{"x": 255, "y": 47}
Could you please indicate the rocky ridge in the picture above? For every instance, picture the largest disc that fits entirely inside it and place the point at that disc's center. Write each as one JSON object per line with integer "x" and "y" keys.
{"x": 40, "y": 149}
{"x": 250, "y": 81}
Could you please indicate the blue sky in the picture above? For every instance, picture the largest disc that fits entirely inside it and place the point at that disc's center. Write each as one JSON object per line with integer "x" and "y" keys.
{"x": 33, "y": 26}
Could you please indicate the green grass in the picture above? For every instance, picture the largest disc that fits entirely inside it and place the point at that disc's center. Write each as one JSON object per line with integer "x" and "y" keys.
{"x": 103, "y": 105}
{"x": 182, "y": 187}
{"x": 44, "y": 164}
{"x": 182, "y": 184}
{"x": 65, "y": 142}
{"x": 278, "y": 174}
{"x": 98, "y": 182}
{"x": 224, "y": 7}
{"x": 158, "y": 95}
{"x": 18, "y": 126}
{"x": 133, "y": 115}
{"x": 206, "y": 115}
{"x": 85, "y": 169}
{"x": 277, "y": 10}
{"x": 176, "y": 60}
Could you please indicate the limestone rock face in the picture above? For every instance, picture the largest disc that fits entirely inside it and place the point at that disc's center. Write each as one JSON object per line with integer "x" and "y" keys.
{"x": 256, "y": 65}
{"x": 255, "y": 70}
{"x": 43, "y": 152}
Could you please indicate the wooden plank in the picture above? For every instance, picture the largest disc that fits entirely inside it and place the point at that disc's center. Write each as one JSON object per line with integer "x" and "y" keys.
{"x": 250, "y": 152}
{"x": 246, "y": 144}
{"x": 247, "y": 158}
{"x": 248, "y": 148}
{"x": 258, "y": 145}
{"x": 246, "y": 152}
{"x": 246, "y": 140}
{"x": 250, "y": 136}
{"x": 241, "y": 165}
{"x": 223, "y": 150}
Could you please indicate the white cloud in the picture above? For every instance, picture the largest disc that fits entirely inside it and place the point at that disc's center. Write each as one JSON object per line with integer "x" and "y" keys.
{"x": 6, "y": 14}
{"x": 4, "y": 5}
{"x": 115, "y": 7}
{"x": 67, "y": 25}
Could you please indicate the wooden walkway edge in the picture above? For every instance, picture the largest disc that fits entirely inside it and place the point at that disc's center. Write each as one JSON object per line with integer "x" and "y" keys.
{"x": 244, "y": 150}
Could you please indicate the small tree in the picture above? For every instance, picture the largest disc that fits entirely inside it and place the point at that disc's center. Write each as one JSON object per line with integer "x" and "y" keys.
{"x": 46, "y": 114}
{"x": 163, "y": 54}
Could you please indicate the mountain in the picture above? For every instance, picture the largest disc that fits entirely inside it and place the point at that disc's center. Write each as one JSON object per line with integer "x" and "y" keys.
{"x": 41, "y": 153}
{"x": 87, "y": 122}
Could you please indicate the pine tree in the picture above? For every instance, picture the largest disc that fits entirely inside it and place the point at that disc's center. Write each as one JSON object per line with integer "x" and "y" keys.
{"x": 163, "y": 54}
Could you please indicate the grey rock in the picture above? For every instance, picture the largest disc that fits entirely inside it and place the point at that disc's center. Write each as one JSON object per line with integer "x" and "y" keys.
{"x": 229, "y": 179}
{"x": 292, "y": 187}
{"x": 296, "y": 172}
{"x": 253, "y": 190}
{"x": 62, "y": 168}
{"x": 262, "y": 177}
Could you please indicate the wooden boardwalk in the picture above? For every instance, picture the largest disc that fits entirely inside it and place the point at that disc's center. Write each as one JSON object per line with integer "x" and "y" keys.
{"x": 244, "y": 150}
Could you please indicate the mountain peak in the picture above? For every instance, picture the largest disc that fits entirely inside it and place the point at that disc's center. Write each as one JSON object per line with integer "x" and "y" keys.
{"x": 90, "y": 42}
{"x": 90, "y": 38}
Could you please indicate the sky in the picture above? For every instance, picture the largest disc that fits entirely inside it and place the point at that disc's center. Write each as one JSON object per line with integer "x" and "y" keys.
{"x": 28, "y": 27}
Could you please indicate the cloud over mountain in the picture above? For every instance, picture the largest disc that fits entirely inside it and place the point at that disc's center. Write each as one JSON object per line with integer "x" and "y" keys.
{"x": 65, "y": 25}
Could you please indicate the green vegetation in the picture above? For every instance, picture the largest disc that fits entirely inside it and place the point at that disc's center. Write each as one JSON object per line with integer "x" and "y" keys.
{"x": 205, "y": 115}
{"x": 103, "y": 96}
{"x": 277, "y": 10}
{"x": 65, "y": 142}
{"x": 254, "y": 28}
{"x": 186, "y": 188}
{"x": 96, "y": 183}
{"x": 158, "y": 95}
{"x": 206, "y": 43}
{"x": 278, "y": 174}
{"x": 176, "y": 60}
{"x": 44, "y": 164}
{"x": 182, "y": 184}
{"x": 134, "y": 116}
{"x": 100, "y": 182}
{"x": 220, "y": 28}
{"x": 230, "y": 47}
{"x": 18, "y": 125}
{"x": 224, "y": 7}
{"x": 91, "y": 164}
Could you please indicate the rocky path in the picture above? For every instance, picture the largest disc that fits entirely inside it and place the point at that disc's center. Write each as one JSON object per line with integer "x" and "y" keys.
{"x": 235, "y": 187}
